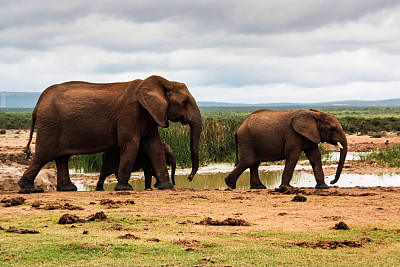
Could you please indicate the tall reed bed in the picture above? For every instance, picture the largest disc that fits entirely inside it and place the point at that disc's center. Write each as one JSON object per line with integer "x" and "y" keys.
{"x": 87, "y": 163}
{"x": 217, "y": 143}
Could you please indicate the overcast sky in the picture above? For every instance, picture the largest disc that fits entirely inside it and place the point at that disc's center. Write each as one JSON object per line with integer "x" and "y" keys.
{"x": 231, "y": 51}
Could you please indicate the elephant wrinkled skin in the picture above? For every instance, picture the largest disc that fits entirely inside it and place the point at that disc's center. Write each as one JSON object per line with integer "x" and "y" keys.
{"x": 111, "y": 163}
{"x": 270, "y": 135}
{"x": 83, "y": 118}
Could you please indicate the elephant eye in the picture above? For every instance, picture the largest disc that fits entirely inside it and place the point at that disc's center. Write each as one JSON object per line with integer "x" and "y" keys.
{"x": 186, "y": 102}
{"x": 332, "y": 128}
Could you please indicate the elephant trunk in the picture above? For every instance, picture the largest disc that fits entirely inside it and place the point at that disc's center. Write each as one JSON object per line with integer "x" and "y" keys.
{"x": 343, "y": 153}
{"x": 173, "y": 169}
{"x": 195, "y": 132}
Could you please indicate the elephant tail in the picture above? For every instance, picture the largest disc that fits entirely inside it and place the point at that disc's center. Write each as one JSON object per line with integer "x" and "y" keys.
{"x": 27, "y": 149}
{"x": 236, "y": 150}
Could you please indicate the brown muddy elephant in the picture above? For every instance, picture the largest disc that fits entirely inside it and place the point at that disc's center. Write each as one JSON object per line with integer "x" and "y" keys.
{"x": 270, "y": 135}
{"x": 111, "y": 162}
{"x": 83, "y": 118}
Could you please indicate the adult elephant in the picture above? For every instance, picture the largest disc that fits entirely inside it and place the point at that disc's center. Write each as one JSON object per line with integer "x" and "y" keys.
{"x": 111, "y": 162}
{"x": 269, "y": 135}
{"x": 82, "y": 118}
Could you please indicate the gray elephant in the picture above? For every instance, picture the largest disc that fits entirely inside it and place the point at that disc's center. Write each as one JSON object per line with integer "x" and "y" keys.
{"x": 111, "y": 162}
{"x": 83, "y": 118}
{"x": 270, "y": 135}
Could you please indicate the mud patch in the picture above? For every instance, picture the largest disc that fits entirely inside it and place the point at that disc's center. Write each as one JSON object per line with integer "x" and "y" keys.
{"x": 55, "y": 206}
{"x": 128, "y": 236}
{"x": 153, "y": 240}
{"x": 289, "y": 190}
{"x": 329, "y": 244}
{"x": 99, "y": 216}
{"x": 341, "y": 226}
{"x": 299, "y": 198}
{"x": 117, "y": 227}
{"x": 192, "y": 243}
{"x": 226, "y": 222}
{"x": 21, "y": 231}
{"x": 16, "y": 201}
{"x": 115, "y": 204}
{"x": 70, "y": 219}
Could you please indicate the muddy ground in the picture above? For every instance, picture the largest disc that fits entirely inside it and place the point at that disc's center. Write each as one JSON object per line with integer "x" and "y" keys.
{"x": 263, "y": 209}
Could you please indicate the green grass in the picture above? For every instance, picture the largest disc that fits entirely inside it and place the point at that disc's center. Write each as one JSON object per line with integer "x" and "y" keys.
{"x": 387, "y": 157}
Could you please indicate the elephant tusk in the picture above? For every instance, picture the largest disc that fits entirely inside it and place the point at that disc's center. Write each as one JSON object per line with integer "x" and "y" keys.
{"x": 340, "y": 145}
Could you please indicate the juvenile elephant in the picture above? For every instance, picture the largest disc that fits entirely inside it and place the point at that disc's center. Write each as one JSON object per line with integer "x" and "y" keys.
{"x": 111, "y": 163}
{"x": 269, "y": 135}
{"x": 83, "y": 118}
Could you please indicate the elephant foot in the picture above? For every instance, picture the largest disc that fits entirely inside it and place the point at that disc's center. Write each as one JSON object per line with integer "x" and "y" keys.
{"x": 156, "y": 184}
{"x": 25, "y": 183}
{"x": 259, "y": 186}
{"x": 165, "y": 185}
{"x": 122, "y": 187}
{"x": 322, "y": 186}
{"x": 229, "y": 183}
{"x": 67, "y": 187}
{"x": 99, "y": 188}
{"x": 285, "y": 186}
{"x": 148, "y": 188}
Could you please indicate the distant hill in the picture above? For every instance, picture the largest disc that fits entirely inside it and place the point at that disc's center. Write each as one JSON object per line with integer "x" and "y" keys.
{"x": 389, "y": 103}
{"x": 29, "y": 99}
{"x": 18, "y": 99}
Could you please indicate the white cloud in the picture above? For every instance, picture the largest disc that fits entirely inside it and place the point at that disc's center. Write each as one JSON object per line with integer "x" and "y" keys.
{"x": 240, "y": 52}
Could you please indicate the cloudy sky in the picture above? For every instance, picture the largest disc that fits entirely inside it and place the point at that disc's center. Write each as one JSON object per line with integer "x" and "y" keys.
{"x": 231, "y": 51}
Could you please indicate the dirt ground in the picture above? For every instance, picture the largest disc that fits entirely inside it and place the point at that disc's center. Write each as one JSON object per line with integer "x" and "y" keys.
{"x": 263, "y": 209}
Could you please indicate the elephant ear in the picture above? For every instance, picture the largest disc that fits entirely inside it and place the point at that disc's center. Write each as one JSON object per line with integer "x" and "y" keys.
{"x": 152, "y": 96}
{"x": 305, "y": 124}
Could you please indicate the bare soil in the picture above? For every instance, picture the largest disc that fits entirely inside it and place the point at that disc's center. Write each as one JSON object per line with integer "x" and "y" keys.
{"x": 230, "y": 211}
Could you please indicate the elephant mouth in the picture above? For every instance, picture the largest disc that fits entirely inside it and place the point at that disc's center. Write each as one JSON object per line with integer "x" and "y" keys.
{"x": 182, "y": 119}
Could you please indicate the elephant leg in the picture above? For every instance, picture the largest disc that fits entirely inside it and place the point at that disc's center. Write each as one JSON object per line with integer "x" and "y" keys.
{"x": 232, "y": 177}
{"x": 63, "y": 181}
{"x": 153, "y": 147}
{"x": 28, "y": 178}
{"x": 109, "y": 166}
{"x": 314, "y": 156}
{"x": 147, "y": 180}
{"x": 255, "y": 182}
{"x": 128, "y": 156}
{"x": 290, "y": 164}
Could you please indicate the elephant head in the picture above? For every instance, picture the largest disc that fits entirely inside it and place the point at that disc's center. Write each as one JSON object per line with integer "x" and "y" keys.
{"x": 168, "y": 100}
{"x": 319, "y": 127}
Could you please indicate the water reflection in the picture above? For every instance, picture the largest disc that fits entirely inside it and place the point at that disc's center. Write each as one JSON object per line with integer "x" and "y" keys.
{"x": 270, "y": 180}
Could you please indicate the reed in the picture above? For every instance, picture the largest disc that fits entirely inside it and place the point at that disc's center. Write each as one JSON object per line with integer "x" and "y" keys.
{"x": 87, "y": 163}
{"x": 387, "y": 157}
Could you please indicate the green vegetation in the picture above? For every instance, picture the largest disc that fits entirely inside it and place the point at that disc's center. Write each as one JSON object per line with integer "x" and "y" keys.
{"x": 387, "y": 157}
{"x": 88, "y": 163}
{"x": 15, "y": 119}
